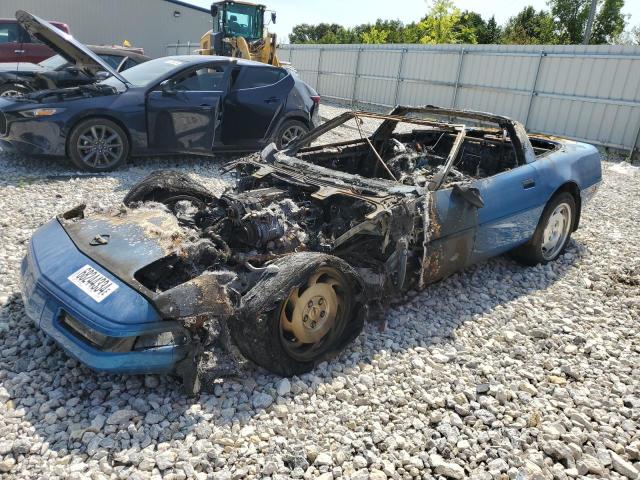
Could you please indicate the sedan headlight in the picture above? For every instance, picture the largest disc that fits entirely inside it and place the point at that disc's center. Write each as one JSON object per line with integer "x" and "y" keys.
{"x": 40, "y": 112}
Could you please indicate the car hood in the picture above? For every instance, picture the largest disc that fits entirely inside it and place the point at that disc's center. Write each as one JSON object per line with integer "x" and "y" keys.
{"x": 20, "y": 67}
{"x": 127, "y": 242}
{"x": 64, "y": 44}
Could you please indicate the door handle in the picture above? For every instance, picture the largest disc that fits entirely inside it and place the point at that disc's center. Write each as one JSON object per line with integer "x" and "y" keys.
{"x": 528, "y": 183}
{"x": 18, "y": 51}
{"x": 271, "y": 100}
{"x": 205, "y": 105}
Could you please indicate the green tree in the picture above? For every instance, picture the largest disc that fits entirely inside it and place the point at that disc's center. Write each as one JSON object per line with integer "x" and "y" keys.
{"x": 375, "y": 35}
{"x": 572, "y": 15}
{"x": 320, "y": 33}
{"x": 609, "y": 23}
{"x": 443, "y": 25}
{"x": 492, "y": 33}
{"x": 471, "y": 28}
{"x": 529, "y": 27}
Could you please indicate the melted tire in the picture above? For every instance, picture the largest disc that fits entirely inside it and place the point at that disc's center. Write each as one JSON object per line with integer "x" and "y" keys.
{"x": 256, "y": 328}
{"x": 164, "y": 185}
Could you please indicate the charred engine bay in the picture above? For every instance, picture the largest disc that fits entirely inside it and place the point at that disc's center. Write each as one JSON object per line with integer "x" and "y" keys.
{"x": 244, "y": 230}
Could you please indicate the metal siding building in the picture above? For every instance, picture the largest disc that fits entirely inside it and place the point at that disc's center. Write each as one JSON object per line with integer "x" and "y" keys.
{"x": 588, "y": 93}
{"x": 150, "y": 24}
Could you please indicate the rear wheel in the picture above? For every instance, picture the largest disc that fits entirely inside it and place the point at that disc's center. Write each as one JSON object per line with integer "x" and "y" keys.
{"x": 295, "y": 318}
{"x": 552, "y": 234}
{"x": 98, "y": 145}
{"x": 289, "y": 131}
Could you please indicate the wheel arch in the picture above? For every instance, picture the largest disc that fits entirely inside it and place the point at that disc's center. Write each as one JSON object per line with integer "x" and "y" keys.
{"x": 572, "y": 188}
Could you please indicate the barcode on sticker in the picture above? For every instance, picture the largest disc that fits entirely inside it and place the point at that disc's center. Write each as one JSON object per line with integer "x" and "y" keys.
{"x": 93, "y": 283}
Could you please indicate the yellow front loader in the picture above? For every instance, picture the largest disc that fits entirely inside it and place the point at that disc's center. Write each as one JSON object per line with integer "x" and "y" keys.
{"x": 239, "y": 31}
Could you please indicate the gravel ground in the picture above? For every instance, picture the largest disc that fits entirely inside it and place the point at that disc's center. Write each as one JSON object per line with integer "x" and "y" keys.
{"x": 497, "y": 372}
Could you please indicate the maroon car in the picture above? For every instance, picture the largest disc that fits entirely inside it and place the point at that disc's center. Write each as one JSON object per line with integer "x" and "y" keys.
{"x": 17, "y": 46}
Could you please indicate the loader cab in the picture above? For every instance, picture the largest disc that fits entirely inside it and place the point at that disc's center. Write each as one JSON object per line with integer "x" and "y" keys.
{"x": 239, "y": 19}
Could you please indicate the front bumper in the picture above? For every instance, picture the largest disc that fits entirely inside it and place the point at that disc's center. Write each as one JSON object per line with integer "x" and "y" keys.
{"x": 50, "y": 299}
{"x": 33, "y": 136}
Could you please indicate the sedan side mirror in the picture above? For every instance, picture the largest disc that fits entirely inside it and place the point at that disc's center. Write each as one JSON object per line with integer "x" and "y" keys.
{"x": 167, "y": 88}
{"x": 470, "y": 195}
{"x": 101, "y": 75}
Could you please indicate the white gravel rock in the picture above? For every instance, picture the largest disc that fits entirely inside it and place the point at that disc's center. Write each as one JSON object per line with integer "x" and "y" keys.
{"x": 499, "y": 371}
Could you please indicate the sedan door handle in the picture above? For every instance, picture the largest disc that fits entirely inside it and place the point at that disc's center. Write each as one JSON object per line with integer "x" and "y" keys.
{"x": 205, "y": 105}
{"x": 271, "y": 100}
{"x": 18, "y": 51}
{"x": 528, "y": 183}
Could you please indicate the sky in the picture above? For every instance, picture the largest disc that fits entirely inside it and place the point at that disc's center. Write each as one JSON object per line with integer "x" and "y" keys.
{"x": 355, "y": 12}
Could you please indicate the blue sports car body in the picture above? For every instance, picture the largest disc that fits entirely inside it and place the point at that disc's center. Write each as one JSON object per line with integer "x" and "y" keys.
{"x": 310, "y": 234}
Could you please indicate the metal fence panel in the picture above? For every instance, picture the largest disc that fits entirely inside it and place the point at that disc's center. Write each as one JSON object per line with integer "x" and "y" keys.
{"x": 590, "y": 93}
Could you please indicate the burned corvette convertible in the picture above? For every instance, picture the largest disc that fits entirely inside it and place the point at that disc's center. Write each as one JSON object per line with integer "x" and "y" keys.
{"x": 309, "y": 243}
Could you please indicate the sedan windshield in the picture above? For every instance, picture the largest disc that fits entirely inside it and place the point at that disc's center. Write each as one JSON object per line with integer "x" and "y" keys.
{"x": 53, "y": 63}
{"x": 146, "y": 73}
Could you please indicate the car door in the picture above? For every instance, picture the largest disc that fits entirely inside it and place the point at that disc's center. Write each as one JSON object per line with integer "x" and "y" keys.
{"x": 182, "y": 112}
{"x": 510, "y": 213}
{"x": 10, "y": 42}
{"x": 451, "y": 221}
{"x": 251, "y": 109}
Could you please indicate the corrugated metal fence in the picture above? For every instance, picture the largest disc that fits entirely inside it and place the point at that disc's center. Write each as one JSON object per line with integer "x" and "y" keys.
{"x": 589, "y": 93}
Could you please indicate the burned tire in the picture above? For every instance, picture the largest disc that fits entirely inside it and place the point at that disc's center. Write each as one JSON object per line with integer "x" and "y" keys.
{"x": 293, "y": 319}
{"x": 290, "y": 131}
{"x": 552, "y": 233}
{"x": 167, "y": 186}
{"x": 98, "y": 145}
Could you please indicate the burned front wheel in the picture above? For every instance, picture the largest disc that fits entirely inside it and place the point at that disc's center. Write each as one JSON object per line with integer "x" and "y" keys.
{"x": 295, "y": 318}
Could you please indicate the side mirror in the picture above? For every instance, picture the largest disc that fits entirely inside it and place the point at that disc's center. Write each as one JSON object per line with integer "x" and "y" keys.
{"x": 214, "y": 10}
{"x": 167, "y": 87}
{"x": 101, "y": 75}
{"x": 273, "y": 17}
{"x": 470, "y": 195}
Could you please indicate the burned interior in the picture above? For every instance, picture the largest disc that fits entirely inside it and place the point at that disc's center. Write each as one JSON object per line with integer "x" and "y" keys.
{"x": 364, "y": 203}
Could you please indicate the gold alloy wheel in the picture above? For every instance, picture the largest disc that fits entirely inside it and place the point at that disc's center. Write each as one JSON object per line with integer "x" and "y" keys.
{"x": 313, "y": 314}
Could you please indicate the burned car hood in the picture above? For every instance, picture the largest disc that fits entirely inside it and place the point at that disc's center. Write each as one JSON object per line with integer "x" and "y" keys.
{"x": 126, "y": 242}
{"x": 130, "y": 240}
{"x": 64, "y": 44}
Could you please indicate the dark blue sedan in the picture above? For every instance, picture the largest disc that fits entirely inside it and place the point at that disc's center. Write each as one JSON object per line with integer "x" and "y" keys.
{"x": 182, "y": 104}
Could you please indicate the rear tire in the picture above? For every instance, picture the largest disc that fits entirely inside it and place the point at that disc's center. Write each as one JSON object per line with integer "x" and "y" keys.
{"x": 289, "y": 131}
{"x": 98, "y": 145}
{"x": 552, "y": 233}
{"x": 168, "y": 187}
{"x": 324, "y": 289}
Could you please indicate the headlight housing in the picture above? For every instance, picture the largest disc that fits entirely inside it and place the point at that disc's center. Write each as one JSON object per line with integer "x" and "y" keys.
{"x": 40, "y": 112}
